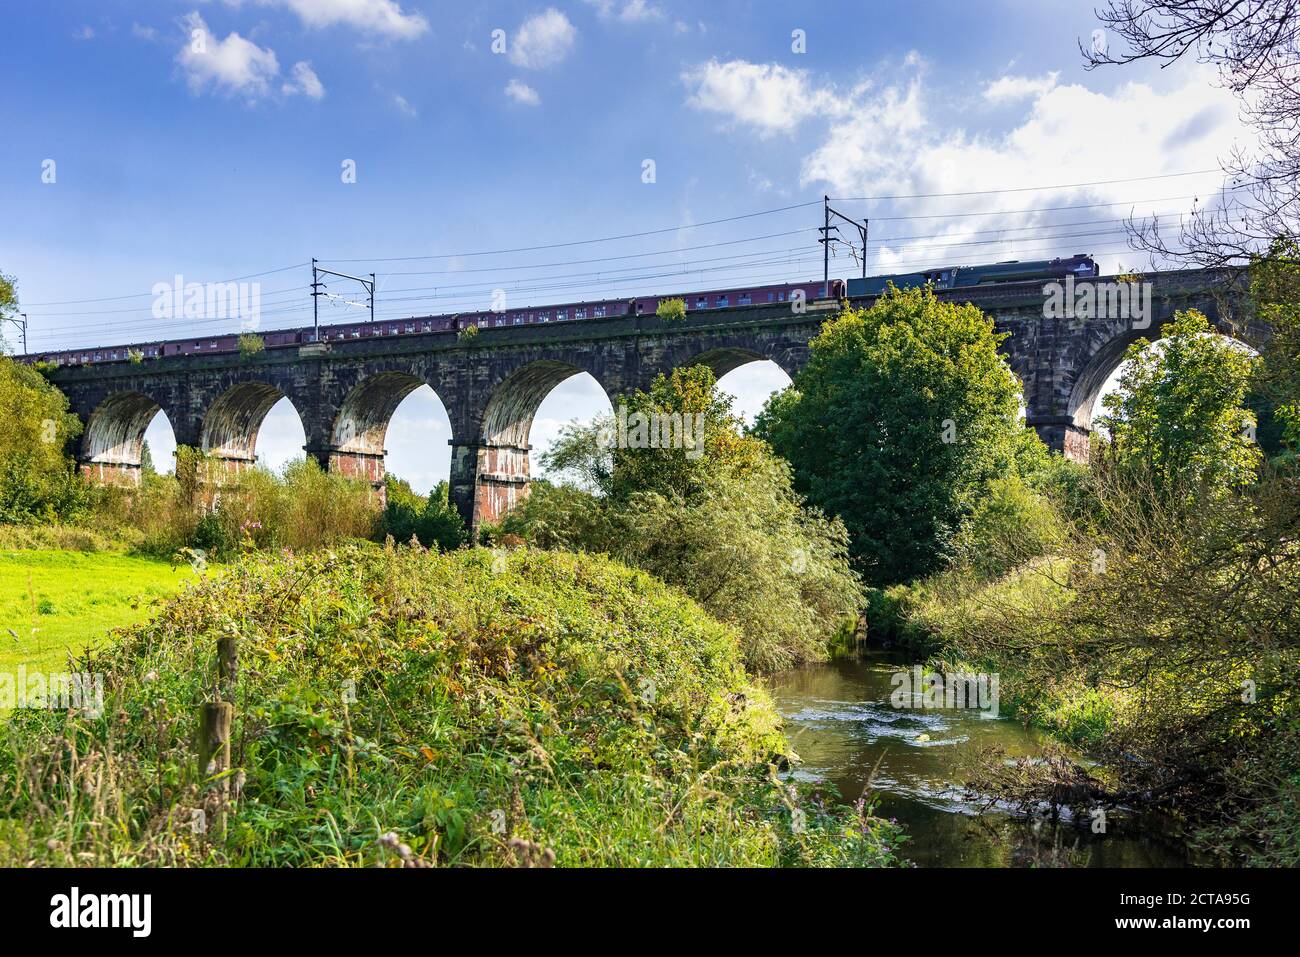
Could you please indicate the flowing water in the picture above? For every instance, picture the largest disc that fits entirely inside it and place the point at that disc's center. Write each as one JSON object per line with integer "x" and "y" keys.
{"x": 840, "y": 722}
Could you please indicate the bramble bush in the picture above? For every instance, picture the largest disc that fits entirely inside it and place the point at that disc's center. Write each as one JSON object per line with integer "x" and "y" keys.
{"x": 396, "y": 706}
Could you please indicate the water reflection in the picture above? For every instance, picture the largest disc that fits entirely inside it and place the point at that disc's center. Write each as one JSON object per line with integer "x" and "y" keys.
{"x": 840, "y": 722}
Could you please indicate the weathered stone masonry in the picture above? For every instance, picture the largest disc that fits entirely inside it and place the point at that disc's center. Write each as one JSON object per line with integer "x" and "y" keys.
{"x": 492, "y": 384}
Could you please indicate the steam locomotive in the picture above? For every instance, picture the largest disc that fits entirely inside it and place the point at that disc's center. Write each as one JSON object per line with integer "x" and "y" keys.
{"x": 1079, "y": 265}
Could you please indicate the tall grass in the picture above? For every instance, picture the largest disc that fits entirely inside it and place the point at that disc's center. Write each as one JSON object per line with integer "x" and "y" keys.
{"x": 200, "y": 507}
{"x": 402, "y": 707}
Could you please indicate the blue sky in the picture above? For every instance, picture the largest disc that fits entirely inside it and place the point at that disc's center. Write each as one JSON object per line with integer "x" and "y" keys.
{"x": 208, "y": 139}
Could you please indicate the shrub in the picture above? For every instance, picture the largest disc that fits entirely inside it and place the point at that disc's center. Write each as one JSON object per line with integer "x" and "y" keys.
{"x": 1008, "y": 527}
{"x": 250, "y": 344}
{"x": 671, "y": 310}
{"x": 559, "y": 707}
{"x": 204, "y": 507}
{"x": 724, "y": 524}
{"x": 432, "y": 520}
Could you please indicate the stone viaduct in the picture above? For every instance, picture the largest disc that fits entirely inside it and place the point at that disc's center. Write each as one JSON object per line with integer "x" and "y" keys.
{"x": 492, "y": 383}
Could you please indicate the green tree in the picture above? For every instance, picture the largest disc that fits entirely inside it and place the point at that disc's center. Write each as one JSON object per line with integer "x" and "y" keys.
{"x": 726, "y": 525}
{"x": 903, "y": 416}
{"x": 432, "y": 520}
{"x": 8, "y": 304}
{"x": 36, "y": 476}
{"x": 1275, "y": 290}
{"x": 635, "y": 451}
{"x": 1179, "y": 413}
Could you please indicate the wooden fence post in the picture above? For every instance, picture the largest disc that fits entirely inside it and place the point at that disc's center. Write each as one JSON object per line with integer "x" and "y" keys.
{"x": 214, "y": 753}
{"x": 227, "y": 666}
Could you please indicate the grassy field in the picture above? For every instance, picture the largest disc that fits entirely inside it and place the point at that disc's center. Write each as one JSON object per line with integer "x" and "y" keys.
{"x": 54, "y": 601}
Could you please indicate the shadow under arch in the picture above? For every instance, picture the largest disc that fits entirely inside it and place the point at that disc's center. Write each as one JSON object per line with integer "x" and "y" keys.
{"x": 361, "y": 430}
{"x": 508, "y": 416}
{"x": 113, "y": 442}
{"x": 362, "y": 421}
{"x": 232, "y": 422}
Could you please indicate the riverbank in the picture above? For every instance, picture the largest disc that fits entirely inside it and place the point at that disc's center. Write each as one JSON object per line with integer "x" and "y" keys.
{"x": 840, "y": 721}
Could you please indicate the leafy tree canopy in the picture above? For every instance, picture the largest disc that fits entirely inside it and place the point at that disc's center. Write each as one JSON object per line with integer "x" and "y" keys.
{"x": 1179, "y": 413}
{"x": 36, "y": 480}
{"x": 726, "y": 526}
{"x": 903, "y": 416}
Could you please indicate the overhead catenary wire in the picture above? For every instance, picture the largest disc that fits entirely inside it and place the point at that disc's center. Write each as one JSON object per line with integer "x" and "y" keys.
{"x": 713, "y": 222}
{"x": 479, "y": 303}
{"x": 288, "y": 295}
{"x": 602, "y": 280}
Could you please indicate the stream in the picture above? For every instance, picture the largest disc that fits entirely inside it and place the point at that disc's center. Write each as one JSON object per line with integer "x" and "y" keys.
{"x": 840, "y": 722}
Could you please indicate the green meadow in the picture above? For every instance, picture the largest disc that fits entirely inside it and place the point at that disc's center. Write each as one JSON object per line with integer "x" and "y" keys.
{"x": 56, "y": 601}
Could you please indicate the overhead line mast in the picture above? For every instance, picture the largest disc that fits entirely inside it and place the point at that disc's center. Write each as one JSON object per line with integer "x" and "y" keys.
{"x": 316, "y": 293}
{"x": 863, "y": 229}
{"x": 21, "y": 325}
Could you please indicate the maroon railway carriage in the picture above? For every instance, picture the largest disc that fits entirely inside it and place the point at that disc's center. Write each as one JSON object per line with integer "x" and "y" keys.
{"x": 568, "y": 312}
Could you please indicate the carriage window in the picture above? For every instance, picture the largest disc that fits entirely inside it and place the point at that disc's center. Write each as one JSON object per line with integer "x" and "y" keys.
{"x": 743, "y": 299}
{"x": 599, "y": 311}
{"x": 580, "y": 313}
{"x": 701, "y": 302}
{"x": 561, "y": 314}
{"x": 724, "y": 301}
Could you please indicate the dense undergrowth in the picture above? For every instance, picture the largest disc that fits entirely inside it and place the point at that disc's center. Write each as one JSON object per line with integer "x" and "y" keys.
{"x": 1165, "y": 642}
{"x": 395, "y": 705}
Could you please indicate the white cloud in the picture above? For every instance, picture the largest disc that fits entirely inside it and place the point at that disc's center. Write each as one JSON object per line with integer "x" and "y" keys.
{"x": 238, "y": 66}
{"x": 879, "y": 134}
{"x": 1011, "y": 88}
{"x": 85, "y": 33}
{"x": 232, "y": 65}
{"x": 633, "y": 11}
{"x": 1067, "y": 134}
{"x": 382, "y": 17}
{"x": 143, "y": 32}
{"x": 767, "y": 96}
{"x": 403, "y": 105}
{"x": 543, "y": 40}
{"x": 522, "y": 93}
{"x": 305, "y": 81}
{"x": 636, "y": 11}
